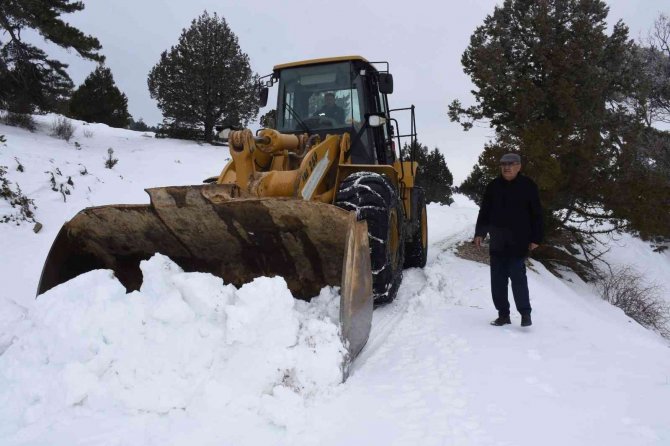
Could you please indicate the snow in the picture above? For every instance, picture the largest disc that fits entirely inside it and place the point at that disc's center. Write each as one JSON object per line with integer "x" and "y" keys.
{"x": 188, "y": 359}
{"x": 184, "y": 343}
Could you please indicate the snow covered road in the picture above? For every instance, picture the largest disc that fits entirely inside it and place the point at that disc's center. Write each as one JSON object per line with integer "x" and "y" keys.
{"x": 189, "y": 360}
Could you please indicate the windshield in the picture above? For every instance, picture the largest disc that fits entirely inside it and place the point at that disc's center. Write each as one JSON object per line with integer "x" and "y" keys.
{"x": 318, "y": 97}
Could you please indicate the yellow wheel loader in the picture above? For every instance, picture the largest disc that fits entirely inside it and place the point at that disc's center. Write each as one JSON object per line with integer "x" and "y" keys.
{"x": 323, "y": 198}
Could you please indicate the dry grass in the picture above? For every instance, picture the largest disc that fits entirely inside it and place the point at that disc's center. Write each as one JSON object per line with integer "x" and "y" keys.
{"x": 62, "y": 128}
{"x": 626, "y": 288}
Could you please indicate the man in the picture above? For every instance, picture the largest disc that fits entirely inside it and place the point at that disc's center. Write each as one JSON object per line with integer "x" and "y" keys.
{"x": 511, "y": 213}
{"x": 331, "y": 110}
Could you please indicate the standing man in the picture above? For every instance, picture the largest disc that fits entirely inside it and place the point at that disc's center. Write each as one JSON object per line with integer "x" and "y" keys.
{"x": 511, "y": 213}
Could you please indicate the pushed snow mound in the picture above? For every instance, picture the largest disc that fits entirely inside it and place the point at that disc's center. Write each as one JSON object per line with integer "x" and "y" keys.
{"x": 185, "y": 342}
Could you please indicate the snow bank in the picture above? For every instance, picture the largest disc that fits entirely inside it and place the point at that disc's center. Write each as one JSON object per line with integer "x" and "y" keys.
{"x": 184, "y": 343}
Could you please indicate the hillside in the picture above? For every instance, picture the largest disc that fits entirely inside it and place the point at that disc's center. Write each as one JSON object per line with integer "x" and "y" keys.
{"x": 190, "y": 360}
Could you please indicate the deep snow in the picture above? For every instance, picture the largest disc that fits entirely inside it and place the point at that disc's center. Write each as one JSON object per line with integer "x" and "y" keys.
{"x": 191, "y": 360}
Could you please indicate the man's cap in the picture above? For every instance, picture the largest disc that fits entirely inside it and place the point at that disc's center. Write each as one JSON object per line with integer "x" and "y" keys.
{"x": 510, "y": 158}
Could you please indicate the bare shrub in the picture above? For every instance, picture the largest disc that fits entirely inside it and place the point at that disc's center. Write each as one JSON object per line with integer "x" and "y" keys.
{"x": 58, "y": 183}
{"x": 88, "y": 133}
{"x": 62, "y": 128}
{"x": 626, "y": 288}
{"x": 16, "y": 199}
{"x": 22, "y": 120}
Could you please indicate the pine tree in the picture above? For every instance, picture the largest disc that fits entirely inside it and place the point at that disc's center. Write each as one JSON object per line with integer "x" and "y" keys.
{"x": 28, "y": 77}
{"x": 138, "y": 126}
{"x": 553, "y": 84}
{"x": 433, "y": 174}
{"x": 656, "y": 69}
{"x": 99, "y": 100}
{"x": 269, "y": 119}
{"x": 205, "y": 78}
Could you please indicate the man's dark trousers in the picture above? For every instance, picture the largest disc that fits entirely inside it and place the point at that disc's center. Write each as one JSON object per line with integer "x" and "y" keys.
{"x": 504, "y": 268}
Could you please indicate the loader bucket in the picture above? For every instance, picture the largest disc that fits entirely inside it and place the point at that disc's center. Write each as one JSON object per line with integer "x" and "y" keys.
{"x": 213, "y": 229}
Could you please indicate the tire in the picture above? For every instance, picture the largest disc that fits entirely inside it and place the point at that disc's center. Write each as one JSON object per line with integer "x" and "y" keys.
{"x": 416, "y": 244}
{"x": 376, "y": 201}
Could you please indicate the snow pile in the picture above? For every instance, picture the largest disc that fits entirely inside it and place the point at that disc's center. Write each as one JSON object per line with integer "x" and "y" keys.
{"x": 185, "y": 342}
{"x": 189, "y": 360}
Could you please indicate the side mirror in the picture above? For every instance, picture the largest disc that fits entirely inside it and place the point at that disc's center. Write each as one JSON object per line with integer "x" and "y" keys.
{"x": 385, "y": 83}
{"x": 264, "y": 96}
{"x": 376, "y": 120}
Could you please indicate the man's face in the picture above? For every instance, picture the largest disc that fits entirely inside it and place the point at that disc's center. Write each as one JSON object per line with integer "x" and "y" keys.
{"x": 330, "y": 99}
{"x": 510, "y": 170}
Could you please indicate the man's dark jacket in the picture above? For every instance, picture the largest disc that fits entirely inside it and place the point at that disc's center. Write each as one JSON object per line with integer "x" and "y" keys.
{"x": 332, "y": 111}
{"x": 511, "y": 213}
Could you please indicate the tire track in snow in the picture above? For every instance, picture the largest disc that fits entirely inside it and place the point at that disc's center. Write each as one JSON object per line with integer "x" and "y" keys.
{"x": 414, "y": 364}
{"x": 386, "y": 318}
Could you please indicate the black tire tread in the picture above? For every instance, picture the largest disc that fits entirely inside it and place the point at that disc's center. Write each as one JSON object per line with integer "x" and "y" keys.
{"x": 415, "y": 252}
{"x": 372, "y": 197}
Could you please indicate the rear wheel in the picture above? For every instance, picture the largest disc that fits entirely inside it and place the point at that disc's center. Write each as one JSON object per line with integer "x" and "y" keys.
{"x": 375, "y": 200}
{"x": 416, "y": 246}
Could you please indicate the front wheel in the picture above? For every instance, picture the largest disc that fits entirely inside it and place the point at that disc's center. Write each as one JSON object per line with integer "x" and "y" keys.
{"x": 416, "y": 246}
{"x": 376, "y": 201}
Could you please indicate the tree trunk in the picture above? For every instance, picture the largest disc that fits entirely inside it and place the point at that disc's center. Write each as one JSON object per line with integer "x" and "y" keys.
{"x": 209, "y": 127}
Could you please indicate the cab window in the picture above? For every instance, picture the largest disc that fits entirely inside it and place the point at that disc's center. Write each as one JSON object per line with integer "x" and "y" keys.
{"x": 318, "y": 97}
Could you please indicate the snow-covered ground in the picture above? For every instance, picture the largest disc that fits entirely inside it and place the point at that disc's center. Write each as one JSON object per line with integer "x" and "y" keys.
{"x": 190, "y": 360}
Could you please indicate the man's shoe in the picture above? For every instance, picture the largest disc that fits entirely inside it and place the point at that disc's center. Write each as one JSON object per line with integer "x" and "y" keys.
{"x": 526, "y": 321}
{"x": 502, "y": 320}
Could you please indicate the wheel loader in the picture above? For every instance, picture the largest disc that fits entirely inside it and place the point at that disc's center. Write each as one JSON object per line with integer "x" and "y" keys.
{"x": 324, "y": 197}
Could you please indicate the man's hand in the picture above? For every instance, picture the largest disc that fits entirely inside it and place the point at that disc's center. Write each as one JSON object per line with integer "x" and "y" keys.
{"x": 478, "y": 242}
{"x": 532, "y": 246}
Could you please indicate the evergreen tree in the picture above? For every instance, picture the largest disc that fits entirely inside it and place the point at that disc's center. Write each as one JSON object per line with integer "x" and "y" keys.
{"x": 269, "y": 120}
{"x": 28, "y": 77}
{"x": 99, "y": 100}
{"x": 474, "y": 185}
{"x": 432, "y": 175}
{"x": 553, "y": 84}
{"x": 645, "y": 160}
{"x": 643, "y": 184}
{"x": 138, "y": 126}
{"x": 658, "y": 69}
{"x": 205, "y": 78}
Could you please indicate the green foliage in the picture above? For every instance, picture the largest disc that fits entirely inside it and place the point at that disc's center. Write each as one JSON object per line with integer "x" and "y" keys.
{"x": 269, "y": 120}
{"x": 178, "y": 130}
{"x": 141, "y": 126}
{"x": 99, "y": 100}
{"x": 29, "y": 77}
{"x": 474, "y": 185}
{"x": 653, "y": 68}
{"x": 556, "y": 88}
{"x": 652, "y": 89}
{"x": 205, "y": 79}
{"x": 110, "y": 162}
{"x": 642, "y": 184}
{"x": 138, "y": 126}
{"x": 432, "y": 175}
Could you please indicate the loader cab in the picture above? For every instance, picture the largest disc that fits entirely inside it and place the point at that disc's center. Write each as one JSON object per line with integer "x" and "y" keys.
{"x": 334, "y": 96}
